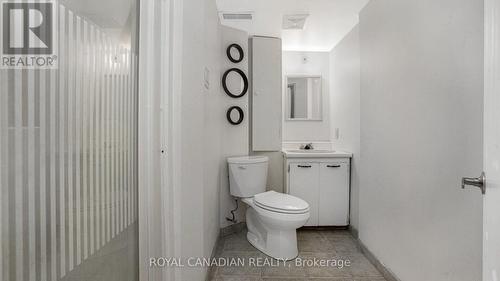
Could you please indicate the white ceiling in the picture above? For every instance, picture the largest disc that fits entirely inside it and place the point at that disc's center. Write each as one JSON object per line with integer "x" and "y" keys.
{"x": 106, "y": 14}
{"x": 328, "y": 22}
{"x": 113, "y": 16}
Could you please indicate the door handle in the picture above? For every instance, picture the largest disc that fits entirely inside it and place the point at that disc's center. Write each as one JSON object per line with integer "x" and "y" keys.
{"x": 304, "y": 166}
{"x": 333, "y": 166}
{"x": 479, "y": 182}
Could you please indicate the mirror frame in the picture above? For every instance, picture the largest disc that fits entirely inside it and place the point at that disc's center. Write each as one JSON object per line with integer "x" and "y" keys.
{"x": 241, "y": 115}
{"x": 243, "y": 77}
{"x": 287, "y": 110}
{"x": 240, "y": 51}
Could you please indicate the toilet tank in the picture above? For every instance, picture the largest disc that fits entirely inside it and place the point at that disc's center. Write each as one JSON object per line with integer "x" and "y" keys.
{"x": 247, "y": 175}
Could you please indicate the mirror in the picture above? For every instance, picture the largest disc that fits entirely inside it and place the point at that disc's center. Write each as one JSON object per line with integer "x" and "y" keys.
{"x": 303, "y": 98}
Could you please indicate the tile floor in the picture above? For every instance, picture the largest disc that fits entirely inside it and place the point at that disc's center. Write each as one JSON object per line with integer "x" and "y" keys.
{"x": 313, "y": 244}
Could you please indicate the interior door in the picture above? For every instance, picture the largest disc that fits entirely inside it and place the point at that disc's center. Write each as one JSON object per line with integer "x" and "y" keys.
{"x": 68, "y": 148}
{"x": 304, "y": 183}
{"x": 491, "y": 211}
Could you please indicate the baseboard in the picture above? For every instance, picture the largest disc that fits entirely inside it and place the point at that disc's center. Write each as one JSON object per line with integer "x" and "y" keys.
{"x": 386, "y": 272}
{"x": 354, "y": 232}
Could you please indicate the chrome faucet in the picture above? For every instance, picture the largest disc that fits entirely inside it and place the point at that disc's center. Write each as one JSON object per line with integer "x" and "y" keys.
{"x": 307, "y": 146}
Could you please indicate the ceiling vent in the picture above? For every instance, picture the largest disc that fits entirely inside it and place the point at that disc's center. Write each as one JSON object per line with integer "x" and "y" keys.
{"x": 295, "y": 21}
{"x": 240, "y": 16}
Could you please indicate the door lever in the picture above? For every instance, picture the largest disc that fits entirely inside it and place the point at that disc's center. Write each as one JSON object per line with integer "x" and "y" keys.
{"x": 479, "y": 182}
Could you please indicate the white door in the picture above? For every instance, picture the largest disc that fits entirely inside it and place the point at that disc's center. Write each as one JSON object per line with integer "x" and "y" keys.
{"x": 304, "y": 184}
{"x": 68, "y": 142}
{"x": 491, "y": 211}
{"x": 333, "y": 194}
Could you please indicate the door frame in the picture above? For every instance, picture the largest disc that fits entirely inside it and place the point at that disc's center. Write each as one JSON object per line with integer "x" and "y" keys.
{"x": 159, "y": 123}
{"x": 159, "y": 220}
{"x": 491, "y": 268}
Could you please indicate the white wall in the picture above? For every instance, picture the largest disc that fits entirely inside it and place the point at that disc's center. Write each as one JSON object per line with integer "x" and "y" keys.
{"x": 201, "y": 127}
{"x": 207, "y": 137}
{"x": 345, "y": 108}
{"x": 192, "y": 132}
{"x": 213, "y": 126}
{"x": 234, "y": 139}
{"x": 421, "y": 131}
{"x": 275, "y": 180}
{"x": 317, "y": 63}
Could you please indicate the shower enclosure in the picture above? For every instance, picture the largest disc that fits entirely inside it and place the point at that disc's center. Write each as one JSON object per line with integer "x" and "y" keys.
{"x": 68, "y": 140}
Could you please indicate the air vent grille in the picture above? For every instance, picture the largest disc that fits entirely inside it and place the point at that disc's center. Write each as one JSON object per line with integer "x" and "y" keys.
{"x": 237, "y": 16}
{"x": 295, "y": 21}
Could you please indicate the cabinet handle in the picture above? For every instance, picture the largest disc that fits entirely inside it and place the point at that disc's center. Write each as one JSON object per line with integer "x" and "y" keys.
{"x": 304, "y": 166}
{"x": 333, "y": 166}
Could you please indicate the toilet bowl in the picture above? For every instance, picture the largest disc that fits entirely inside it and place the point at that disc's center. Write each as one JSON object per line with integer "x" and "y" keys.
{"x": 272, "y": 218}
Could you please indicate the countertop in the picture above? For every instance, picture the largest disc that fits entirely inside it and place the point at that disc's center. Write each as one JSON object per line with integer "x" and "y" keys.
{"x": 296, "y": 153}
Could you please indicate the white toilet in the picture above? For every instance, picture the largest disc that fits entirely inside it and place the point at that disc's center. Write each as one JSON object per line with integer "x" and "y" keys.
{"x": 272, "y": 218}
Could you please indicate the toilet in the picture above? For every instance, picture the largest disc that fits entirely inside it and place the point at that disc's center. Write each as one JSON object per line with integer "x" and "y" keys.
{"x": 272, "y": 218}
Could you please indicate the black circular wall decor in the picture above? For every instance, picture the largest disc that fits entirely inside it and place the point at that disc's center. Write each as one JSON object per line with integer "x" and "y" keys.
{"x": 245, "y": 82}
{"x": 240, "y": 114}
{"x": 240, "y": 52}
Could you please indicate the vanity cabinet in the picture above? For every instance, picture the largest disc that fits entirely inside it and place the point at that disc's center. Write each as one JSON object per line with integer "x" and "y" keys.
{"x": 304, "y": 183}
{"x": 324, "y": 184}
{"x": 333, "y": 193}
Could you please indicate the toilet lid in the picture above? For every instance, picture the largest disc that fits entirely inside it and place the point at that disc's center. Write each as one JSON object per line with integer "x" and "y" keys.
{"x": 280, "y": 202}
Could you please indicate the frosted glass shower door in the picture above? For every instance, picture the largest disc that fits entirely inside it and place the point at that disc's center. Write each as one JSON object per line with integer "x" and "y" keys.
{"x": 68, "y": 140}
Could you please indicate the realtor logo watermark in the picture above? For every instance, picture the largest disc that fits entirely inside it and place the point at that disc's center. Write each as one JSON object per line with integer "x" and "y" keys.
{"x": 28, "y": 34}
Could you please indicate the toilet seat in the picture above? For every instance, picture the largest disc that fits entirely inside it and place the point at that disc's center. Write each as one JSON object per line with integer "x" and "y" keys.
{"x": 280, "y": 203}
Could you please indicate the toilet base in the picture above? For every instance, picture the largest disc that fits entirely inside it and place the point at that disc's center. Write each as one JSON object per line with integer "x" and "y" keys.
{"x": 252, "y": 239}
{"x": 277, "y": 243}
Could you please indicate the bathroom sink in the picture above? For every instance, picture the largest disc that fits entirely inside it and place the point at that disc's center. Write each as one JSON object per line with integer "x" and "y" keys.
{"x": 315, "y": 153}
{"x": 311, "y": 151}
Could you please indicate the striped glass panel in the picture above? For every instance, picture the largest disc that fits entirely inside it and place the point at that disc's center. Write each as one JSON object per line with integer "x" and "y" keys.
{"x": 68, "y": 177}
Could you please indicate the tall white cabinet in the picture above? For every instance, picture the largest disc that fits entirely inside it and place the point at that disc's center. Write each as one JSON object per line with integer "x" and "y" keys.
{"x": 265, "y": 97}
{"x": 324, "y": 184}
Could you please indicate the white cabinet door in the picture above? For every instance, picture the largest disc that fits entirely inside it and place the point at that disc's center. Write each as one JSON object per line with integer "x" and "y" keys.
{"x": 334, "y": 194}
{"x": 266, "y": 93}
{"x": 304, "y": 183}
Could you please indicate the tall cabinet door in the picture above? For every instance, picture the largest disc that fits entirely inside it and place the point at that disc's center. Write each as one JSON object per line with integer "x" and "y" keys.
{"x": 265, "y": 98}
{"x": 304, "y": 183}
{"x": 334, "y": 194}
